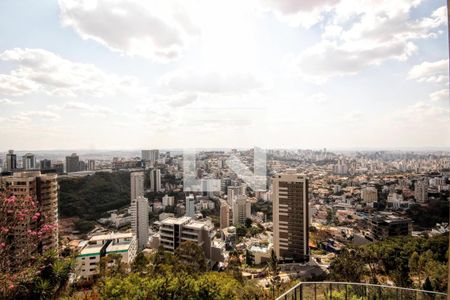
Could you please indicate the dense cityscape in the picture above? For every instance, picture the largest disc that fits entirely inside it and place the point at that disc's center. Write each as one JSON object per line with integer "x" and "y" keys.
{"x": 110, "y": 217}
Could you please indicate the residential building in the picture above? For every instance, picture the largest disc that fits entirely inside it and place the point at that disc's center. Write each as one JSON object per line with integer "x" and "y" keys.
{"x": 45, "y": 164}
{"x": 139, "y": 220}
{"x": 29, "y": 161}
{"x": 72, "y": 163}
{"x": 168, "y": 201}
{"x": 137, "y": 185}
{"x": 383, "y": 226}
{"x": 155, "y": 180}
{"x": 190, "y": 205}
{"x": 11, "y": 161}
{"x": 43, "y": 189}
{"x": 150, "y": 155}
{"x": 421, "y": 191}
{"x": 369, "y": 195}
{"x": 290, "y": 216}
{"x": 91, "y": 165}
{"x": 88, "y": 261}
{"x": 174, "y": 231}
{"x": 241, "y": 209}
{"x": 224, "y": 214}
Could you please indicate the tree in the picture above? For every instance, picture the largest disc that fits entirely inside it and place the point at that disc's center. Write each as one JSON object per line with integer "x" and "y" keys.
{"x": 274, "y": 272}
{"x": 191, "y": 257}
{"x": 140, "y": 263}
{"x": 427, "y": 285}
{"x": 347, "y": 266}
{"x": 249, "y": 258}
{"x": 248, "y": 222}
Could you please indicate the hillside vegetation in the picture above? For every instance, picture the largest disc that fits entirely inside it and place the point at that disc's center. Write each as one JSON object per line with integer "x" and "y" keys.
{"x": 90, "y": 197}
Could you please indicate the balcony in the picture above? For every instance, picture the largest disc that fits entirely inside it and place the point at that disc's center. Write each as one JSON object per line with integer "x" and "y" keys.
{"x": 355, "y": 291}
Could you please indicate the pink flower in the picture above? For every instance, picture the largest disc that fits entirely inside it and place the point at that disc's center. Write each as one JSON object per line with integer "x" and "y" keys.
{"x": 11, "y": 286}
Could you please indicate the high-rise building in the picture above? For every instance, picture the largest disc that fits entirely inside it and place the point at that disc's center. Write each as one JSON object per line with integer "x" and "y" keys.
{"x": 137, "y": 185}
{"x": 290, "y": 216}
{"x": 72, "y": 163}
{"x": 59, "y": 167}
{"x": 384, "y": 226}
{"x": 233, "y": 191}
{"x": 43, "y": 189}
{"x": 150, "y": 155}
{"x": 224, "y": 214}
{"x": 139, "y": 223}
{"x": 190, "y": 205}
{"x": 155, "y": 180}
{"x": 29, "y": 161}
{"x": 91, "y": 165}
{"x": 11, "y": 161}
{"x": 45, "y": 164}
{"x": 421, "y": 191}
{"x": 241, "y": 209}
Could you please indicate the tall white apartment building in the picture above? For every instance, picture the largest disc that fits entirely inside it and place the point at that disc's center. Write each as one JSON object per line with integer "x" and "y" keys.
{"x": 224, "y": 214}
{"x": 233, "y": 192}
{"x": 29, "y": 161}
{"x": 139, "y": 221}
{"x": 290, "y": 216}
{"x": 137, "y": 185}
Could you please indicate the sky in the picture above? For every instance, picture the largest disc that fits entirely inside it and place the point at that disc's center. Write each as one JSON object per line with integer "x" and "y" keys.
{"x": 129, "y": 74}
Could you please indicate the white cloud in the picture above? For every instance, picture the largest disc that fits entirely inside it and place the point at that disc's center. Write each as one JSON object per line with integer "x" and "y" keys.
{"x": 299, "y": 12}
{"x": 25, "y": 118}
{"x": 211, "y": 82}
{"x": 7, "y": 101}
{"x": 436, "y": 71}
{"x": 84, "y": 109}
{"x": 153, "y": 29}
{"x": 362, "y": 34}
{"x": 39, "y": 70}
{"x": 318, "y": 98}
{"x": 441, "y": 95}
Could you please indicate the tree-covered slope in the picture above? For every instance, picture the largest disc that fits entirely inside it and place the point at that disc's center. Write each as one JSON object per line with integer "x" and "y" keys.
{"x": 90, "y": 197}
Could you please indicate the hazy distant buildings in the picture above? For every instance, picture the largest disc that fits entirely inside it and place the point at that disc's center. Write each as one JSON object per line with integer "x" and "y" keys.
{"x": 290, "y": 216}
{"x": 340, "y": 168}
{"x": 11, "y": 161}
{"x": 91, "y": 165}
{"x": 139, "y": 223}
{"x": 233, "y": 192}
{"x": 29, "y": 161}
{"x": 136, "y": 185}
{"x": 45, "y": 164}
{"x": 150, "y": 155}
{"x": 155, "y": 180}
{"x": 72, "y": 163}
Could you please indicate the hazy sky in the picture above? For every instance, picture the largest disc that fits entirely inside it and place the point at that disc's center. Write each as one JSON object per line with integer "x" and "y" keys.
{"x": 111, "y": 74}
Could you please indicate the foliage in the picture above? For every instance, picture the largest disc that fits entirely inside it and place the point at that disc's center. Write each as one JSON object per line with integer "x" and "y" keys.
{"x": 263, "y": 206}
{"x": 44, "y": 279}
{"x": 173, "y": 276}
{"x": 427, "y": 217}
{"x": 89, "y": 197}
{"x": 407, "y": 261}
{"x": 248, "y": 223}
{"x": 84, "y": 226}
{"x": 274, "y": 272}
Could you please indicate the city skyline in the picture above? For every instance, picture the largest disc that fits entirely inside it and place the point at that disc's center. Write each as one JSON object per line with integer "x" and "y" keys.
{"x": 338, "y": 74}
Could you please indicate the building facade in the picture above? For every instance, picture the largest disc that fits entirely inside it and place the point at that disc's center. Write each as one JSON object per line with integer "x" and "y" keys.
{"x": 290, "y": 216}
{"x": 155, "y": 180}
{"x": 139, "y": 221}
{"x": 72, "y": 163}
{"x": 137, "y": 185}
